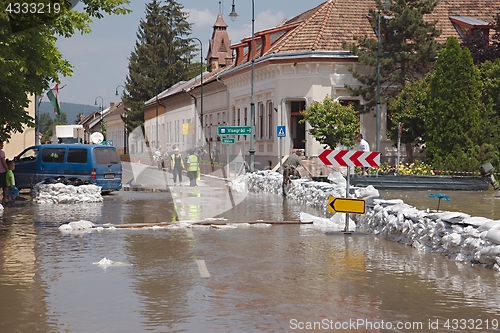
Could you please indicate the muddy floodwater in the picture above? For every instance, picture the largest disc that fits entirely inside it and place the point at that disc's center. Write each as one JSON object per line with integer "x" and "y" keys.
{"x": 281, "y": 278}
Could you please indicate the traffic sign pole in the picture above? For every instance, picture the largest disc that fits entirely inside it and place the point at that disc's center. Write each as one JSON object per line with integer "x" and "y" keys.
{"x": 350, "y": 158}
{"x": 347, "y": 196}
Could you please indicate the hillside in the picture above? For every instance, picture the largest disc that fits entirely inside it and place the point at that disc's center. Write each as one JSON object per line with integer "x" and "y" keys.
{"x": 71, "y": 110}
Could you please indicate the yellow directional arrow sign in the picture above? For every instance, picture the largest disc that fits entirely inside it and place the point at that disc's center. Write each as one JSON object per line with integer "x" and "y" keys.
{"x": 346, "y": 205}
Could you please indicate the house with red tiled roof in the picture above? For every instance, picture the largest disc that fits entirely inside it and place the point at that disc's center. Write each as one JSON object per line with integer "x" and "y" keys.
{"x": 296, "y": 63}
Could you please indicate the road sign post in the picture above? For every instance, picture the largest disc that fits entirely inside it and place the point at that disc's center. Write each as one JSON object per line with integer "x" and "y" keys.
{"x": 281, "y": 133}
{"x": 349, "y": 158}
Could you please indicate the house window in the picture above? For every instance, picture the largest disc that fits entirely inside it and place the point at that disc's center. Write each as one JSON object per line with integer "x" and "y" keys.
{"x": 356, "y": 104}
{"x": 210, "y": 128}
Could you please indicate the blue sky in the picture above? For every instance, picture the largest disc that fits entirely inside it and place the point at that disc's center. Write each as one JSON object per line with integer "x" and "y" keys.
{"x": 100, "y": 59}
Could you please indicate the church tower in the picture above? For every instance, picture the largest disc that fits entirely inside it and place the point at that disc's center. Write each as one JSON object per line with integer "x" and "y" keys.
{"x": 219, "y": 51}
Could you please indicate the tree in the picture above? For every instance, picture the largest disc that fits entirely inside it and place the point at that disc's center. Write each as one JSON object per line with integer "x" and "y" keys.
{"x": 410, "y": 108}
{"x": 490, "y": 111}
{"x": 161, "y": 57}
{"x": 79, "y": 118}
{"x": 332, "y": 123}
{"x": 61, "y": 119}
{"x": 45, "y": 122}
{"x": 407, "y": 52}
{"x": 29, "y": 54}
{"x": 453, "y": 123}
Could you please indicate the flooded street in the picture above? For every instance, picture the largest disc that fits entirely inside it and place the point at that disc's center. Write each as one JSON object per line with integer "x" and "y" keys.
{"x": 282, "y": 278}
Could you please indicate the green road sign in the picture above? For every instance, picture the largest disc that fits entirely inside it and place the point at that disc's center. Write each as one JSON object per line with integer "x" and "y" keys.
{"x": 234, "y": 130}
{"x": 228, "y": 141}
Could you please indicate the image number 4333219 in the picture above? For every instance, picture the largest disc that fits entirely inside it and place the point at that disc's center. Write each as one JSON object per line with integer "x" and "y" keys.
{"x": 26, "y": 14}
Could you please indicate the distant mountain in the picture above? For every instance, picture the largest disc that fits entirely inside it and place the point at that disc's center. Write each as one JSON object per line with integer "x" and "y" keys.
{"x": 71, "y": 110}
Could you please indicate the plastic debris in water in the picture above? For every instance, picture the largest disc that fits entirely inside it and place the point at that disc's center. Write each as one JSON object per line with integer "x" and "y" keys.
{"x": 440, "y": 196}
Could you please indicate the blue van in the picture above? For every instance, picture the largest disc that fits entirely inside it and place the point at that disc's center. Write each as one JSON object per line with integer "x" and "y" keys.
{"x": 97, "y": 164}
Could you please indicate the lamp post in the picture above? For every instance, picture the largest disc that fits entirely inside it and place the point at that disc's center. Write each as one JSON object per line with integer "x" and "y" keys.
{"x": 201, "y": 87}
{"x": 385, "y": 6}
{"x": 101, "y": 107}
{"x": 124, "y": 115}
{"x": 157, "y": 145}
{"x": 233, "y": 15}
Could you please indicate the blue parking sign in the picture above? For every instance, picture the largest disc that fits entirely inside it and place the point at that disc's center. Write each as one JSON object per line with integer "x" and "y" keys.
{"x": 281, "y": 131}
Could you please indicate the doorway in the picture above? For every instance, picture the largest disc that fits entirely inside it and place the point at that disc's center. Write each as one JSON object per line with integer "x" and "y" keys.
{"x": 297, "y": 129}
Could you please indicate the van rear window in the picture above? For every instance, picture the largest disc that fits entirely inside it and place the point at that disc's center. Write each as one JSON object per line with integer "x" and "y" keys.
{"x": 106, "y": 156}
{"x": 55, "y": 155}
{"x": 77, "y": 155}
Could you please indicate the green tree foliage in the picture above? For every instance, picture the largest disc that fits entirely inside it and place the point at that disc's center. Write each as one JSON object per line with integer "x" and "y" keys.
{"x": 78, "y": 118}
{"x": 410, "y": 108}
{"x": 161, "y": 57}
{"x": 332, "y": 123}
{"x": 490, "y": 112}
{"x": 453, "y": 123}
{"x": 61, "y": 119}
{"x": 407, "y": 52}
{"x": 29, "y": 58}
{"x": 45, "y": 122}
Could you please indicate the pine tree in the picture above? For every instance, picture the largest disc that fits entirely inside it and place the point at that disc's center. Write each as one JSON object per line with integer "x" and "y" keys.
{"x": 407, "y": 52}
{"x": 454, "y": 104}
{"x": 161, "y": 57}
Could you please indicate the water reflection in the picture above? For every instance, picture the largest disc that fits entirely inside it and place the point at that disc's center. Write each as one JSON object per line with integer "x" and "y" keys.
{"x": 260, "y": 278}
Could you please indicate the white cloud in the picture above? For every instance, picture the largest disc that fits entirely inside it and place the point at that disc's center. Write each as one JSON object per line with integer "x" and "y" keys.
{"x": 201, "y": 18}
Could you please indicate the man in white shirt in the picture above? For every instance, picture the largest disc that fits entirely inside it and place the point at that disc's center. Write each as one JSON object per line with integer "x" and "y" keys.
{"x": 362, "y": 145}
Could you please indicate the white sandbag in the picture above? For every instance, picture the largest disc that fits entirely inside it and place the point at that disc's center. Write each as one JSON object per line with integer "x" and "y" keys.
{"x": 59, "y": 193}
{"x": 492, "y": 224}
{"x": 493, "y": 236}
{"x": 337, "y": 179}
{"x": 77, "y": 225}
{"x": 369, "y": 191}
{"x": 476, "y": 221}
{"x": 338, "y": 219}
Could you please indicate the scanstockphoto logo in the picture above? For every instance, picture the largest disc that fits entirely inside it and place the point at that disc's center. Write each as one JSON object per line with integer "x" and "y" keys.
{"x": 26, "y": 14}
{"x": 151, "y": 170}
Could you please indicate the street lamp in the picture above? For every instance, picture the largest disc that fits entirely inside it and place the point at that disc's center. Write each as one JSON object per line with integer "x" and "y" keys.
{"x": 101, "y": 107}
{"x": 201, "y": 86}
{"x": 233, "y": 15}
{"x": 386, "y": 5}
{"x": 116, "y": 90}
{"x": 124, "y": 115}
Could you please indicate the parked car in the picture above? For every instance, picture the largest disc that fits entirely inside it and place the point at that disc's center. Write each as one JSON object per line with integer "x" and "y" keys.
{"x": 96, "y": 164}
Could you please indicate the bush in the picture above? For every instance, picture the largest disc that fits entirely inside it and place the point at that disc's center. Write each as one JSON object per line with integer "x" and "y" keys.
{"x": 416, "y": 168}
